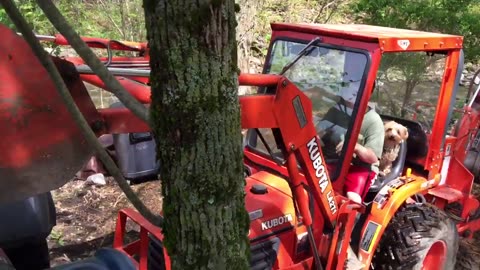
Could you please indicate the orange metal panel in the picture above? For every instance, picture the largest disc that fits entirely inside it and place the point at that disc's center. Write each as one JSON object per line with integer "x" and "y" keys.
{"x": 258, "y": 79}
{"x": 257, "y": 111}
{"x": 449, "y": 194}
{"x": 389, "y": 39}
{"x": 385, "y": 205}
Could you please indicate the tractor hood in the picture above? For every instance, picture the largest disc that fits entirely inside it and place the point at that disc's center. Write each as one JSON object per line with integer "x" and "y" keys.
{"x": 270, "y": 205}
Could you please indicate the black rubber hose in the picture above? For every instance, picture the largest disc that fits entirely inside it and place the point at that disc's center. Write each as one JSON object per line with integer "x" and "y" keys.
{"x": 61, "y": 24}
{"x": 62, "y": 89}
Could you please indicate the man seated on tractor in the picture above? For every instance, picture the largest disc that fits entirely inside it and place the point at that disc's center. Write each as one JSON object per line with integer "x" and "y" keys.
{"x": 368, "y": 149}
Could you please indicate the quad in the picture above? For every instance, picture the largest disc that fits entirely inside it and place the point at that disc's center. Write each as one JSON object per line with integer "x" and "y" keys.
{"x": 301, "y": 218}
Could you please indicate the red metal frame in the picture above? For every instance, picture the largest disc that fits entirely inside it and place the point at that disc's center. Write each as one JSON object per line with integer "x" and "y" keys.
{"x": 140, "y": 246}
{"x": 103, "y": 43}
{"x": 138, "y": 89}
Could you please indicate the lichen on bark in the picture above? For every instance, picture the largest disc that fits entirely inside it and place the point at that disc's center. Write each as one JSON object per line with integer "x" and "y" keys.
{"x": 196, "y": 122}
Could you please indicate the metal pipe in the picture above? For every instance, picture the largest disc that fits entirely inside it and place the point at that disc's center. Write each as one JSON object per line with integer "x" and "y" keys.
{"x": 128, "y": 65}
{"x": 316, "y": 256}
{"x": 474, "y": 96}
{"x": 116, "y": 61}
{"x": 85, "y": 69}
{"x": 45, "y": 38}
{"x": 42, "y": 37}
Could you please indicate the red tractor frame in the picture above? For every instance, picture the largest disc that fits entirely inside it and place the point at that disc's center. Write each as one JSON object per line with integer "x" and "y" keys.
{"x": 300, "y": 218}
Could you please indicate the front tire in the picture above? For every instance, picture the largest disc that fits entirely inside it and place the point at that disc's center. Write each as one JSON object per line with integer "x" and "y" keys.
{"x": 418, "y": 237}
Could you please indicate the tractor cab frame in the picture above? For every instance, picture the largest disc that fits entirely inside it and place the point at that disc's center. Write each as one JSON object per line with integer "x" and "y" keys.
{"x": 374, "y": 42}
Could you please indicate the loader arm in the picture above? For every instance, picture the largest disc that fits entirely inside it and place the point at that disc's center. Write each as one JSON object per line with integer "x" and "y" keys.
{"x": 299, "y": 137}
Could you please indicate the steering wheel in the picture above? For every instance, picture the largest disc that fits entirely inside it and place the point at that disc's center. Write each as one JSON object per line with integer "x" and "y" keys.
{"x": 325, "y": 137}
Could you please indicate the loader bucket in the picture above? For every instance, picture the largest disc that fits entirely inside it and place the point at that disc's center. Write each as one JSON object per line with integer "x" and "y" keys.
{"x": 41, "y": 146}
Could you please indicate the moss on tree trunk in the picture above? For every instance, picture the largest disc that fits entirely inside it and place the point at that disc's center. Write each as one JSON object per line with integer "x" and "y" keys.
{"x": 196, "y": 117}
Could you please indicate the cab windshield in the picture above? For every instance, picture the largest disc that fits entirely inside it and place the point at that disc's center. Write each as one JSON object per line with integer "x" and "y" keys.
{"x": 333, "y": 78}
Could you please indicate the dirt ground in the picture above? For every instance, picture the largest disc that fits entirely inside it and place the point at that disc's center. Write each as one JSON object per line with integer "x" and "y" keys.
{"x": 86, "y": 217}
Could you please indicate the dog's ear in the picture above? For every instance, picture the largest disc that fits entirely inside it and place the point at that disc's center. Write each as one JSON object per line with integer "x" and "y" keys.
{"x": 403, "y": 132}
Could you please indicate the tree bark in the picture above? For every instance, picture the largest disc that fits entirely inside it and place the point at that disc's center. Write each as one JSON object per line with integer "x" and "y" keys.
{"x": 196, "y": 122}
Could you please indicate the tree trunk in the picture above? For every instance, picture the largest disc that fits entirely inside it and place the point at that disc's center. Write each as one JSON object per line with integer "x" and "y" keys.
{"x": 196, "y": 121}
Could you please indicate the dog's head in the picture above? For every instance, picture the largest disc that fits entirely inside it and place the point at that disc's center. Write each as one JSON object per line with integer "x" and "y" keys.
{"x": 395, "y": 132}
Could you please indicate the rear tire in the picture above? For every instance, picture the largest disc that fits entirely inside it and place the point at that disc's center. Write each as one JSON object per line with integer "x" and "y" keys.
{"x": 413, "y": 235}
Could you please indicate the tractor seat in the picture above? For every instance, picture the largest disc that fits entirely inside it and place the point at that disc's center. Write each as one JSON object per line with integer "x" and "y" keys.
{"x": 413, "y": 148}
{"x": 417, "y": 138}
{"x": 397, "y": 168}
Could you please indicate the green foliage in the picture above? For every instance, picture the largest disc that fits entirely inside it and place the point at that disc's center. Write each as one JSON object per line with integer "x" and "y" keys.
{"x": 115, "y": 19}
{"x": 32, "y": 13}
{"x": 460, "y": 17}
{"x": 294, "y": 11}
{"x": 57, "y": 236}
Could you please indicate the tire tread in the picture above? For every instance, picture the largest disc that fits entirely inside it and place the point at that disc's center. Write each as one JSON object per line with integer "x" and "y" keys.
{"x": 408, "y": 234}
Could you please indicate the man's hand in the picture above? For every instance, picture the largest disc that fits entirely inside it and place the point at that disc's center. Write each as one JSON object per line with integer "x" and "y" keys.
{"x": 321, "y": 133}
{"x": 339, "y": 147}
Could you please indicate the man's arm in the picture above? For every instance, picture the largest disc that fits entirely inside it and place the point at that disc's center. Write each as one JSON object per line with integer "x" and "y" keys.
{"x": 365, "y": 154}
{"x": 372, "y": 150}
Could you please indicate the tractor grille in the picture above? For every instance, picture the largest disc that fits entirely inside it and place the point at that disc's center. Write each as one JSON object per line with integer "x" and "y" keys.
{"x": 264, "y": 254}
{"x": 155, "y": 261}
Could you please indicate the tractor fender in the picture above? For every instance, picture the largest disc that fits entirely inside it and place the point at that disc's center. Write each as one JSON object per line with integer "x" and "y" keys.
{"x": 384, "y": 206}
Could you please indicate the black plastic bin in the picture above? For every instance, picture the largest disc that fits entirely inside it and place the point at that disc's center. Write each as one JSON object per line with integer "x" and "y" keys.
{"x": 135, "y": 153}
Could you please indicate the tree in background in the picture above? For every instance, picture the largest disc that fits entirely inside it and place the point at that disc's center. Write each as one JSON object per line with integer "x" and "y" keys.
{"x": 114, "y": 19}
{"x": 196, "y": 121}
{"x": 460, "y": 17}
{"x": 446, "y": 16}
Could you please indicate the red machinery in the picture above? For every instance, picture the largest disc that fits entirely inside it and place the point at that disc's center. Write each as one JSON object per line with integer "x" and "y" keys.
{"x": 300, "y": 218}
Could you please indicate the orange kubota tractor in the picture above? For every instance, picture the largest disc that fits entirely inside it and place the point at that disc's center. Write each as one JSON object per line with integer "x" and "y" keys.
{"x": 411, "y": 218}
